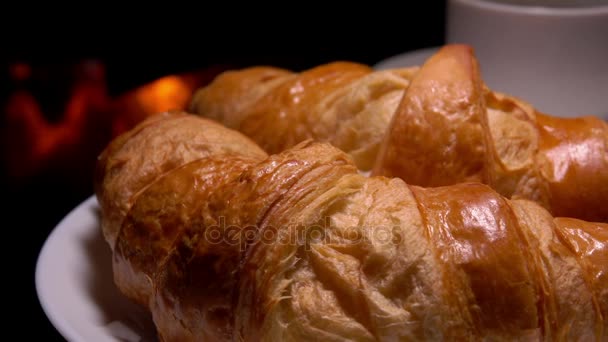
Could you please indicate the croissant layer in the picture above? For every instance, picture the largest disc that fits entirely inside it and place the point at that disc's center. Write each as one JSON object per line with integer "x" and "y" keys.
{"x": 449, "y": 128}
{"x": 297, "y": 245}
{"x": 433, "y": 125}
{"x": 157, "y": 145}
{"x": 343, "y": 103}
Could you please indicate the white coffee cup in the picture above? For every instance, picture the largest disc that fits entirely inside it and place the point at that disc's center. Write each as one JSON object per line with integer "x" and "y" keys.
{"x": 551, "y": 53}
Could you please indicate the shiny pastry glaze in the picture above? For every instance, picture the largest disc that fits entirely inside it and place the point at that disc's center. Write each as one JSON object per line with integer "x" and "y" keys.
{"x": 208, "y": 247}
{"x": 346, "y": 104}
{"x": 589, "y": 242}
{"x": 477, "y": 238}
{"x": 124, "y": 169}
{"x": 430, "y": 126}
{"x": 393, "y": 261}
{"x": 435, "y": 137}
{"x": 285, "y": 111}
{"x": 450, "y": 128}
{"x": 165, "y": 209}
{"x": 573, "y": 161}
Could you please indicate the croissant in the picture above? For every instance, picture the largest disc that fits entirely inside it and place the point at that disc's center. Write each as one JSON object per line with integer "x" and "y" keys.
{"x": 343, "y": 103}
{"x": 236, "y": 245}
{"x": 132, "y": 161}
{"x": 431, "y": 126}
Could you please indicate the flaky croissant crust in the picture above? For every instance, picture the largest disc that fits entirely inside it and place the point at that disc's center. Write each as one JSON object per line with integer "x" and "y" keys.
{"x": 346, "y": 104}
{"x": 450, "y": 128}
{"x": 237, "y": 245}
{"x": 430, "y": 126}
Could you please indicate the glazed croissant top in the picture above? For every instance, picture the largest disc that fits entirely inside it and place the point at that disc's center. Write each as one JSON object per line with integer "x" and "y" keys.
{"x": 236, "y": 245}
{"x": 343, "y": 103}
{"x": 437, "y": 125}
{"x": 135, "y": 159}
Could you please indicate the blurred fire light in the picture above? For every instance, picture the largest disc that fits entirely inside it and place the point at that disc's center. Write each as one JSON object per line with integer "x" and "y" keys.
{"x": 167, "y": 93}
{"x": 170, "y": 92}
{"x": 91, "y": 118}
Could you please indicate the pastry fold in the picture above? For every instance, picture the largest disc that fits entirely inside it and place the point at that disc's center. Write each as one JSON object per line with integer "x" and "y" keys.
{"x": 236, "y": 245}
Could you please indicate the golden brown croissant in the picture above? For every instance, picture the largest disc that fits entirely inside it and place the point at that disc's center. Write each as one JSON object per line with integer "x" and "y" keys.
{"x": 438, "y": 125}
{"x": 136, "y": 158}
{"x": 449, "y": 128}
{"x": 299, "y": 246}
{"x": 346, "y": 104}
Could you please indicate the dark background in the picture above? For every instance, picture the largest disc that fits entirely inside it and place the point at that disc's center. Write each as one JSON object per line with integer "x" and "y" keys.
{"x": 135, "y": 49}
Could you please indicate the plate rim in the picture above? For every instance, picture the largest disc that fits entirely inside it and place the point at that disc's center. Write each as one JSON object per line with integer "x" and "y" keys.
{"x": 58, "y": 321}
{"x": 389, "y": 62}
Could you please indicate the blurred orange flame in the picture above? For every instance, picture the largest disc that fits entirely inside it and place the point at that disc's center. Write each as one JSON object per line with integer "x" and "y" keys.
{"x": 170, "y": 92}
{"x": 90, "y": 119}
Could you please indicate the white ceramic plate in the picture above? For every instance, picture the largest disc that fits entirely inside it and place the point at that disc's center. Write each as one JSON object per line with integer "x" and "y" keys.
{"x": 418, "y": 57}
{"x": 75, "y": 284}
{"x": 408, "y": 59}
